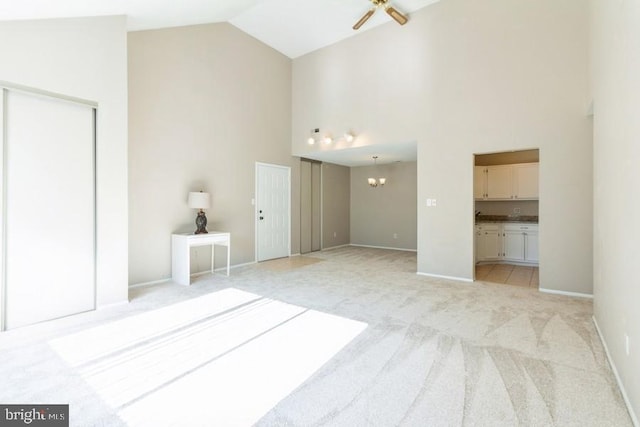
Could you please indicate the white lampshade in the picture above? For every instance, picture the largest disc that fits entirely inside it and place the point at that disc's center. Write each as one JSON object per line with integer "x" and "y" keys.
{"x": 198, "y": 200}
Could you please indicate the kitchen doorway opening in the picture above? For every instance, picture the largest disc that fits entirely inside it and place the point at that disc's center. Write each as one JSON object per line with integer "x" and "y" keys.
{"x": 506, "y": 230}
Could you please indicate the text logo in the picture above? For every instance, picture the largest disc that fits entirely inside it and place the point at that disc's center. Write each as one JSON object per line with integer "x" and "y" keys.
{"x": 34, "y": 415}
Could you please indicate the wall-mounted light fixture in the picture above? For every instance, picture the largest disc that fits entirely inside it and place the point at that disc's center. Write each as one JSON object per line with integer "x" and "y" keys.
{"x": 312, "y": 136}
{"x": 349, "y": 136}
{"x": 380, "y": 181}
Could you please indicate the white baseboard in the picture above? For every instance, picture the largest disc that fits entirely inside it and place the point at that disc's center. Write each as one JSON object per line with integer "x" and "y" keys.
{"x": 634, "y": 418}
{"x": 382, "y": 247}
{"x": 439, "y": 276}
{"x": 568, "y": 294}
{"x": 335, "y": 247}
{"x": 244, "y": 264}
{"x": 153, "y": 282}
{"x": 199, "y": 273}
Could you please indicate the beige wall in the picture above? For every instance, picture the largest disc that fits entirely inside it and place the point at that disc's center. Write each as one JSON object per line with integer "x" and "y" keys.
{"x": 470, "y": 77}
{"x": 377, "y": 214}
{"x": 616, "y": 90}
{"x": 84, "y": 58}
{"x": 206, "y": 102}
{"x": 336, "y": 212}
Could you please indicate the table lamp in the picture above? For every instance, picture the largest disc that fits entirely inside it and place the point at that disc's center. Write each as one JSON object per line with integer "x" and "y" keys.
{"x": 199, "y": 200}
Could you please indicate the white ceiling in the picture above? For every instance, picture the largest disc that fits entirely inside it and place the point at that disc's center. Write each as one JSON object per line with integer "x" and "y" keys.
{"x": 363, "y": 156}
{"x": 293, "y": 27}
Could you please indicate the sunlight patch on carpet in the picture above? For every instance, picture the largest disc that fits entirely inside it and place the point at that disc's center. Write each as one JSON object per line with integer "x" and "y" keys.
{"x": 226, "y": 358}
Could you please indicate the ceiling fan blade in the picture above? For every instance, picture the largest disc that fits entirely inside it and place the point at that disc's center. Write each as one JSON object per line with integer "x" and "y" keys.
{"x": 399, "y": 17}
{"x": 364, "y": 18}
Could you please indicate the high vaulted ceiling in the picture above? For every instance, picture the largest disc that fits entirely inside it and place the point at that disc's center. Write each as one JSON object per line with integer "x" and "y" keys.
{"x": 293, "y": 27}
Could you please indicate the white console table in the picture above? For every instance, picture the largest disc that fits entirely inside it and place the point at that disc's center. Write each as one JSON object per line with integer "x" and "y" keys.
{"x": 181, "y": 243}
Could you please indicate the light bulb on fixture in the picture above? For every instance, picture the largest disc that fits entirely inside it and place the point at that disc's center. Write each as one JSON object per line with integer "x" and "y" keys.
{"x": 327, "y": 139}
{"x": 380, "y": 181}
{"x": 312, "y": 136}
{"x": 349, "y": 137}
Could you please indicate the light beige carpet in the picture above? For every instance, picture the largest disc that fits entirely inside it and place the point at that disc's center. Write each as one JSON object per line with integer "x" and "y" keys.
{"x": 356, "y": 340}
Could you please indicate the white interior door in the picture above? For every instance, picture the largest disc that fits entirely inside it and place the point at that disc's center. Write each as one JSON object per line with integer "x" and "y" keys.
{"x": 273, "y": 212}
{"x": 49, "y": 208}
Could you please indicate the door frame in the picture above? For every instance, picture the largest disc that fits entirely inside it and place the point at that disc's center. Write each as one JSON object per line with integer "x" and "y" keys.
{"x": 257, "y": 203}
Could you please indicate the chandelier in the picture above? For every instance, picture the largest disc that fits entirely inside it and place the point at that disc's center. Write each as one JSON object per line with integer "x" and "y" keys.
{"x": 380, "y": 181}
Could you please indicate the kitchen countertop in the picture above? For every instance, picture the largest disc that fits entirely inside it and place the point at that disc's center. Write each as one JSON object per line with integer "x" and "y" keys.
{"x": 507, "y": 218}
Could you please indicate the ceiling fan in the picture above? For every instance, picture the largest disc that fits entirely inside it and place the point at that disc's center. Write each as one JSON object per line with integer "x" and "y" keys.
{"x": 399, "y": 17}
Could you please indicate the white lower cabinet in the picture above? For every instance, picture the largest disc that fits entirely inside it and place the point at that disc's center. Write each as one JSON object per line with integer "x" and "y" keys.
{"x": 488, "y": 242}
{"x": 531, "y": 246}
{"x": 513, "y": 245}
{"x": 516, "y": 242}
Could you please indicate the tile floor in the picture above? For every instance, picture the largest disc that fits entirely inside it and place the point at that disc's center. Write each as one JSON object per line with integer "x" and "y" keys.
{"x": 288, "y": 263}
{"x": 508, "y": 274}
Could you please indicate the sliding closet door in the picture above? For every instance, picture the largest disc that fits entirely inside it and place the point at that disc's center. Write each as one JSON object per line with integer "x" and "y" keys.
{"x": 316, "y": 200}
{"x": 305, "y": 207}
{"x": 49, "y": 208}
{"x": 310, "y": 203}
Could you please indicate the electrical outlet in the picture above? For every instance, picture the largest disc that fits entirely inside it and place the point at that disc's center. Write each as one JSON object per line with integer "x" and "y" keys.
{"x": 428, "y": 203}
{"x": 516, "y": 210}
{"x": 433, "y": 203}
{"x": 335, "y": 234}
{"x": 395, "y": 235}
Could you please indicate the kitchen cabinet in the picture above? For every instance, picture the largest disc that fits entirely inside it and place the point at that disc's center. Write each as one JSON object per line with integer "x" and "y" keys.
{"x": 506, "y": 182}
{"x": 531, "y": 246}
{"x": 492, "y": 182}
{"x": 488, "y": 242}
{"x": 525, "y": 181}
{"x": 513, "y": 245}
{"x": 520, "y": 242}
{"x": 499, "y": 182}
{"x": 516, "y": 242}
{"x": 479, "y": 182}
